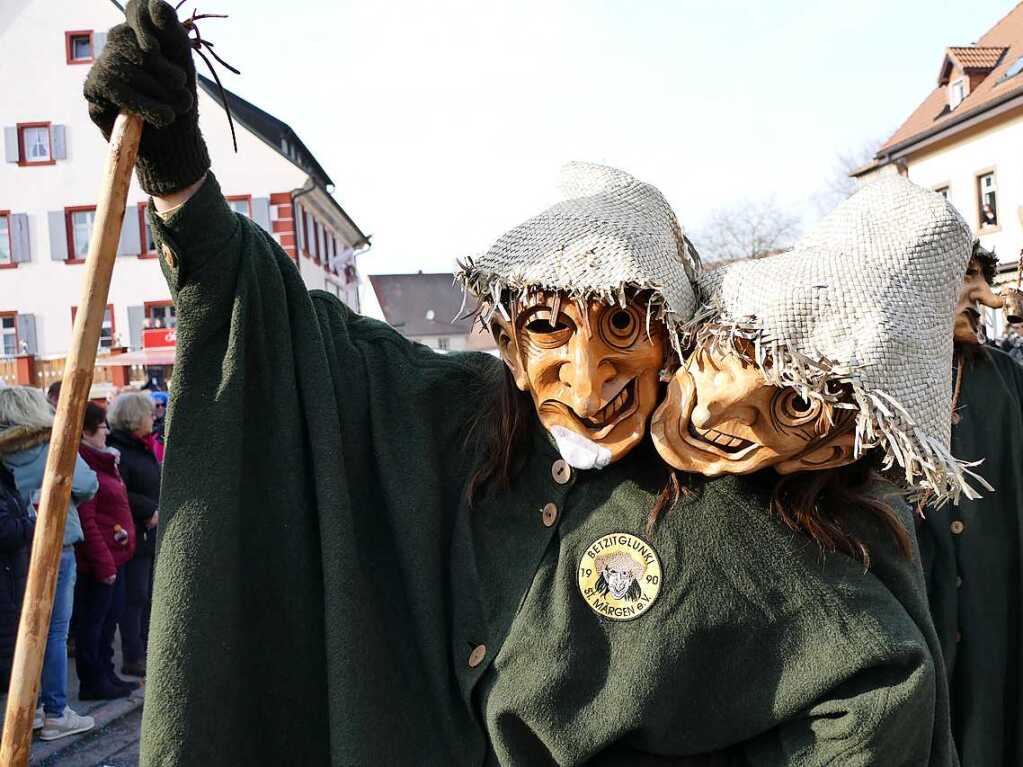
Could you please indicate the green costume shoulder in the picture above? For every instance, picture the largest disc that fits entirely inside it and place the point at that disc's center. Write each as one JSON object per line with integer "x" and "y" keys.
{"x": 972, "y": 564}
{"x": 320, "y": 577}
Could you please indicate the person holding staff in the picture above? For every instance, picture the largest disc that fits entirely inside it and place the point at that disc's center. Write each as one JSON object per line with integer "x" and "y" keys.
{"x": 412, "y": 558}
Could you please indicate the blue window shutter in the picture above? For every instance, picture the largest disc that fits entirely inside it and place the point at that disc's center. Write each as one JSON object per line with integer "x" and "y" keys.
{"x": 57, "y": 223}
{"x": 12, "y": 153}
{"x": 136, "y": 322}
{"x": 299, "y": 236}
{"x": 59, "y": 135}
{"x": 21, "y": 252}
{"x": 261, "y": 211}
{"x": 99, "y": 40}
{"x": 130, "y": 243}
{"x": 26, "y": 325}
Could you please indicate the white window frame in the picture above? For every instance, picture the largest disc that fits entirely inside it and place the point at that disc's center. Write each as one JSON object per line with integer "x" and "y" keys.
{"x": 169, "y": 317}
{"x": 8, "y": 331}
{"x": 982, "y": 197}
{"x": 73, "y": 231}
{"x": 41, "y": 131}
{"x": 87, "y": 37}
{"x": 957, "y": 92}
{"x": 5, "y": 239}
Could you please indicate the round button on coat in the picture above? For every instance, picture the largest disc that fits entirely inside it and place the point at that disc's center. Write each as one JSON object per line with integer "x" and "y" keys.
{"x": 957, "y": 527}
{"x": 561, "y": 471}
{"x": 550, "y": 515}
{"x": 479, "y": 652}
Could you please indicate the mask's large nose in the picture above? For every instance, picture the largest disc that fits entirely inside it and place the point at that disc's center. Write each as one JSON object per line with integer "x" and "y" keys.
{"x": 584, "y": 375}
{"x": 985, "y": 296}
{"x": 724, "y": 391}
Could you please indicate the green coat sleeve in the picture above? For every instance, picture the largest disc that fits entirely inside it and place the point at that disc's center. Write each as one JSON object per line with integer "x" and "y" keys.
{"x": 305, "y": 478}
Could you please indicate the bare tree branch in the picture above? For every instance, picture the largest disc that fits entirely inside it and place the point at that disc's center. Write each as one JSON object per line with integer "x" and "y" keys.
{"x": 746, "y": 229}
{"x": 839, "y": 184}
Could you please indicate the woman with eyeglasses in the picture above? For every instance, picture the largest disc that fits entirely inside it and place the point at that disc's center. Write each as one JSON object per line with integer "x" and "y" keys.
{"x": 109, "y": 544}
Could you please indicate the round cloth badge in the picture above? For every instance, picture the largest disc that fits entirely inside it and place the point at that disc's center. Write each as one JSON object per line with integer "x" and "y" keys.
{"x": 619, "y": 576}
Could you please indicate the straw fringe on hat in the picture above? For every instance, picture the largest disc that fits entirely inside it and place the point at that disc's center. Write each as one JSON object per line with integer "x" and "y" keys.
{"x": 610, "y": 234}
{"x": 859, "y": 302}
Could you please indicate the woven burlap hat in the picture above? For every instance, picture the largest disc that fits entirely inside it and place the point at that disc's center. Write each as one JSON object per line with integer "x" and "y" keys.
{"x": 608, "y": 235}
{"x": 866, "y": 299}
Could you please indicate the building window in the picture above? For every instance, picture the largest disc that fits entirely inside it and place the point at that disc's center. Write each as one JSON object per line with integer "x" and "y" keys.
{"x": 79, "y": 227}
{"x": 106, "y": 332}
{"x": 987, "y": 199}
{"x": 161, "y": 314}
{"x": 34, "y": 143}
{"x": 146, "y": 234}
{"x": 442, "y": 343}
{"x": 316, "y": 241}
{"x": 1012, "y": 71}
{"x": 956, "y": 93}
{"x": 8, "y": 334}
{"x": 5, "y": 238}
{"x": 241, "y": 203}
{"x": 78, "y": 47}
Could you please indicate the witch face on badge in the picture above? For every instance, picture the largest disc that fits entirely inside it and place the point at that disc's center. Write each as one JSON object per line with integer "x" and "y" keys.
{"x": 590, "y": 368}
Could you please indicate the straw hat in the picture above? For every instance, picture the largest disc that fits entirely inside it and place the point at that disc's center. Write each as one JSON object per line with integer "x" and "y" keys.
{"x": 610, "y": 233}
{"x": 860, "y": 301}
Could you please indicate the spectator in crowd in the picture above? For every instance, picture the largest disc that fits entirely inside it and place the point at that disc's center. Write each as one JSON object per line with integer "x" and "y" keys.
{"x": 131, "y": 422}
{"x": 53, "y": 394}
{"x": 16, "y": 527}
{"x": 26, "y": 420}
{"x": 109, "y": 544}
{"x": 1012, "y": 342}
{"x": 160, "y": 399}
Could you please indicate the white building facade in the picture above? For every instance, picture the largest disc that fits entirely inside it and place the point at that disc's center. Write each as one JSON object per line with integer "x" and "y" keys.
{"x": 49, "y": 178}
{"x": 965, "y": 140}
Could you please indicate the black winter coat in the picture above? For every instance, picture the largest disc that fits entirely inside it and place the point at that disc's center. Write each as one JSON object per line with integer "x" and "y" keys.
{"x": 16, "y": 529}
{"x": 141, "y": 474}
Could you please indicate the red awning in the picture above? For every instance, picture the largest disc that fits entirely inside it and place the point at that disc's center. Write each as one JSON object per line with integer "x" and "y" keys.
{"x": 158, "y": 356}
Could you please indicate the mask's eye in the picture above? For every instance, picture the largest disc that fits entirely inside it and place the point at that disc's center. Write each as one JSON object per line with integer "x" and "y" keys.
{"x": 543, "y": 325}
{"x": 619, "y": 327}
{"x": 543, "y": 330}
{"x": 790, "y": 409}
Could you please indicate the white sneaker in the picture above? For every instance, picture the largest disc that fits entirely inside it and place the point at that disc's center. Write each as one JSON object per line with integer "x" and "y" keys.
{"x": 37, "y": 720}
{"x": 68, "y": 724}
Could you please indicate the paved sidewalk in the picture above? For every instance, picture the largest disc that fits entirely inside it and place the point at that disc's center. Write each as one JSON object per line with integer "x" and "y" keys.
{"x": 113, "y": 742}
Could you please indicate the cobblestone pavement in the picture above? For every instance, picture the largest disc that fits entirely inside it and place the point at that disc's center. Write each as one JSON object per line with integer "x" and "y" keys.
{"x": 115, "y": 745}
{"x": 113, "y": 742}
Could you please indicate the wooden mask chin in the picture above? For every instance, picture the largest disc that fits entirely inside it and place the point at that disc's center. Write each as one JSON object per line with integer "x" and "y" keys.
{"x": 590, "y": 367}
{"x": 721, "y": 417}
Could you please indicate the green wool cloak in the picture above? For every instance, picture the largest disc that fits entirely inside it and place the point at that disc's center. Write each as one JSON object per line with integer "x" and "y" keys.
{"x": 324, "y": 596}
{"x": 971, "y": 557}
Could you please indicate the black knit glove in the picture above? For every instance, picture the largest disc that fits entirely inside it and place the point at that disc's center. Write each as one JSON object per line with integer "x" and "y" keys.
{"x": 146, "y": 68}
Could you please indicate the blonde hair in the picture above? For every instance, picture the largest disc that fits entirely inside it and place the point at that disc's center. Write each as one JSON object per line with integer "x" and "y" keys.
{"x": 129, "y": 409}
{"x": 24, "y": 406}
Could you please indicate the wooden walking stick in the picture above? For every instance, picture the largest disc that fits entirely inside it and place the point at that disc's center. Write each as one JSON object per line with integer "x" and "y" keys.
{"x": 66, "y": 435}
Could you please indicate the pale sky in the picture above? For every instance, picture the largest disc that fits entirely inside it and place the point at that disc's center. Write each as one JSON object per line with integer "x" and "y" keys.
{"x": 443, "y": 123}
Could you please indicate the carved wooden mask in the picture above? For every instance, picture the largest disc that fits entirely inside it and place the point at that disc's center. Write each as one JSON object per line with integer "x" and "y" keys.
{"x": 975, "y": 290}
{"x": 721, "y": 417}
{"x": 593, "y": 371}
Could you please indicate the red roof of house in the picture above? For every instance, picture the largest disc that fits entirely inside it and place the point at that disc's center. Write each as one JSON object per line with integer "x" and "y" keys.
{"x": 995, "y": 53}
{"x": 978, "y": 57}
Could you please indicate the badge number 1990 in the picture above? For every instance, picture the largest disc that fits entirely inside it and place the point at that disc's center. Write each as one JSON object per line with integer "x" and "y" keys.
{"x": 619, "y": 576}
